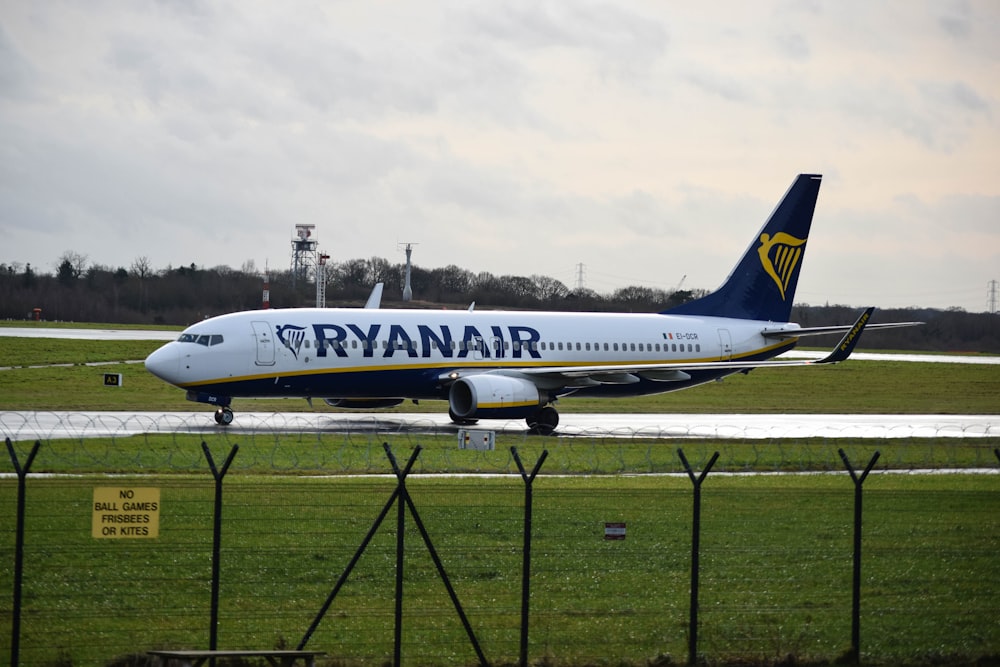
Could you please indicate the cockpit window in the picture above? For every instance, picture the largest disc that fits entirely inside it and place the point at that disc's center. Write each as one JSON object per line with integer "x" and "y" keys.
{"x": 203, "y": 339}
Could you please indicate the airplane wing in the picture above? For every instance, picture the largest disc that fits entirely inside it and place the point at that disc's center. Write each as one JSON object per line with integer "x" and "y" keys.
{"x": 553, "y": 377}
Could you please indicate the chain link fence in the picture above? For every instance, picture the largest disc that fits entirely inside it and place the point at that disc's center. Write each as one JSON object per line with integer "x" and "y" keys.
{"x": 610, "y": 561}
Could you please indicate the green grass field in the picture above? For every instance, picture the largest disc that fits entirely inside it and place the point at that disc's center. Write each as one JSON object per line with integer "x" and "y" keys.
{"x": 776, "y": 568}
{"x": 776, "y": 550}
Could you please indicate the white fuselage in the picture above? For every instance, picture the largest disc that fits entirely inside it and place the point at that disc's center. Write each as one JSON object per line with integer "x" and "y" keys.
{"x": 369, "y": 353}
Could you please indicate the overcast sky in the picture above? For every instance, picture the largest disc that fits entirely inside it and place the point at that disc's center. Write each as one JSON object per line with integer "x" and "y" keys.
{"x": 645, "y": 142}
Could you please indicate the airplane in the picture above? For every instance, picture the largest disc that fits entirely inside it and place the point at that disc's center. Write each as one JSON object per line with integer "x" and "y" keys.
{"x": 506, "y": 364}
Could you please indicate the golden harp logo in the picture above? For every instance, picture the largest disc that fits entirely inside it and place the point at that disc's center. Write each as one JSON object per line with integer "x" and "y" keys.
{"x": 779, "y": 255}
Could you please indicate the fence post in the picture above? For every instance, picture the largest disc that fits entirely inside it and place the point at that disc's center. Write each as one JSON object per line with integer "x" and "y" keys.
{"x": 397, "y": 653}
{"x": 856, "y": 581}
{"x": 22, "y": 475}
{"x": 695, "y": 549}
{"x": 218, "y": 474}
{"x": 526, "y": 566}
{"x": 404, "y": 497}
{"x": 350, "y": 566}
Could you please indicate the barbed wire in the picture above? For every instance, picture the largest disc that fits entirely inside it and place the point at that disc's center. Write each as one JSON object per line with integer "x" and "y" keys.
{"x": 316, "y": 443}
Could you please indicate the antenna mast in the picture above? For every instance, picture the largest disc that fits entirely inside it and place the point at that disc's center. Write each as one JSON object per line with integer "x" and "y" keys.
{"x": 303, "y": 253}
{"x": 407, "y": 289}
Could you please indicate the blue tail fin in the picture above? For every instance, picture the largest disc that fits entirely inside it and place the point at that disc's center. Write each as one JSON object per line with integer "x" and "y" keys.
{"x": 762, "y": 285}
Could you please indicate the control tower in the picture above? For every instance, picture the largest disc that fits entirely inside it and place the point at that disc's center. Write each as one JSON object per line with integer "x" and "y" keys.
{"x": 303, "y": 254}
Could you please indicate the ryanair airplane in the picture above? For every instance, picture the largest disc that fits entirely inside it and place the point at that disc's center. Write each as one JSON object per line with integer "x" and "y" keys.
{"x": 503, "y": 364}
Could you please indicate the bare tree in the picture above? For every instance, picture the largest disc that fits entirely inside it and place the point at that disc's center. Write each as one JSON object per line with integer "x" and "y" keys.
{"x": 75, "y": 264}
{"x": 549, "y": 289}
{"x": 141, "y": 267}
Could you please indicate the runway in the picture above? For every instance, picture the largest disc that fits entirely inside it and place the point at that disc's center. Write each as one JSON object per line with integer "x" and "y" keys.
{"x": 76, "y": 425}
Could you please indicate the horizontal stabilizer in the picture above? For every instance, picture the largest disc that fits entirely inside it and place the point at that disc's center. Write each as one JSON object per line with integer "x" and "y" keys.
{"x": 796, "y": 332}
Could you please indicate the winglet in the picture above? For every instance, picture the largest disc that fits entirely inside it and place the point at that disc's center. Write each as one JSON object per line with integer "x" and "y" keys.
{"x": 849, "y": 341}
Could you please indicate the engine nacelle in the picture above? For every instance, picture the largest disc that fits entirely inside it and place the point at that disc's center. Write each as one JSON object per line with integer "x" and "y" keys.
{"x": 493, "y": 396}
{"x": 362, "y": 403}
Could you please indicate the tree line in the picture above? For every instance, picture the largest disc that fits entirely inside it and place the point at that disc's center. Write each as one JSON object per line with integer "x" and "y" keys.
{"x": 139, "y": 294}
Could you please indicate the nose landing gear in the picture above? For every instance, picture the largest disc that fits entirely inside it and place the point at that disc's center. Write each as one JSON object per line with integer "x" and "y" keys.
{"x": 224, "y": 416}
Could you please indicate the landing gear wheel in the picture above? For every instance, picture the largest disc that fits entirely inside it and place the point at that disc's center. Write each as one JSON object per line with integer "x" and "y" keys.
{"x": 543, "y": 422}
{"x": 461, "y": 421}
{"x": 224, "y": 416}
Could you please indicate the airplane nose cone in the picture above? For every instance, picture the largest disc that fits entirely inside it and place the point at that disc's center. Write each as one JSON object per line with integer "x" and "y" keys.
{"x": 163, "y": 363}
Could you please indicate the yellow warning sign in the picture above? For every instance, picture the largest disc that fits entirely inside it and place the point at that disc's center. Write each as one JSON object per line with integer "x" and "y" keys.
{"x": 126, "y": 512}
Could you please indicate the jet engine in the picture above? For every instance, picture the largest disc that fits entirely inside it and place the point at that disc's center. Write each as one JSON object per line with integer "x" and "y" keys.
{"x": 493, "y": 396}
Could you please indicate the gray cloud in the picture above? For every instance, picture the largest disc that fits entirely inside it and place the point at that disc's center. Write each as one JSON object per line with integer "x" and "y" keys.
{"x": 638, "y": 139}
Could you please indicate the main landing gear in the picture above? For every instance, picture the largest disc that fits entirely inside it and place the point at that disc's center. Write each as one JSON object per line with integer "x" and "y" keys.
{"x": 224, "y": 416}
{"x": 543, "y": 422}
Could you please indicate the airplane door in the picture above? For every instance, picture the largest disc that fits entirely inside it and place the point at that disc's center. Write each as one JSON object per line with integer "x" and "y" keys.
{"x": 726, "y": 345}
{"x": 496, "y": 347}
{"x": 477, "y": 348}
{"x": 264, "y": 342}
